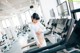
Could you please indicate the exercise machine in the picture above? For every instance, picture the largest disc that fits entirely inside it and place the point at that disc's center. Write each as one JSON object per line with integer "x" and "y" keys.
{"x": 71, "y": 40}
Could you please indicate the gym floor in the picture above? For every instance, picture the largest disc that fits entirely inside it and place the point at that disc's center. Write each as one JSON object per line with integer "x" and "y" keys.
{"x": 17, "y": 49}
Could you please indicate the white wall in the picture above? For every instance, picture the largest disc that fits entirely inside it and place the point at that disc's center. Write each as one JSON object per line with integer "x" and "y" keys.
{"x": 46, "y": 6}
{"x": 76, "y": 4}
{"x": 62, "y": 1}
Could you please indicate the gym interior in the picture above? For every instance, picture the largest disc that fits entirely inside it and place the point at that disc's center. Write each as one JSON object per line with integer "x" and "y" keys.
{"x": 60, "y": 18}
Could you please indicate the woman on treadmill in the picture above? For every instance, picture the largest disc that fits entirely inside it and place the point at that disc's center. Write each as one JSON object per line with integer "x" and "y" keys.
{"x": 38, "y": 30}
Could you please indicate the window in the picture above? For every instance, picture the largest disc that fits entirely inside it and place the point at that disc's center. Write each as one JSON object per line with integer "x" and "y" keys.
{"x": 38, "y": 10}
{"x": 23, "y": 18}
{"x": 31, "y": 11}
{"x": 4, "y": 24}
{"x": 28, "y": 16}
{"x": 7, "y": 22}
{"x": 15, "y": 21}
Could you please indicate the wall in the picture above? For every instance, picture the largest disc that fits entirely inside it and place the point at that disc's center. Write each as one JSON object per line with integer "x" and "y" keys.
{"x": 46, "y": 6}
{"x": 62, "y": 1}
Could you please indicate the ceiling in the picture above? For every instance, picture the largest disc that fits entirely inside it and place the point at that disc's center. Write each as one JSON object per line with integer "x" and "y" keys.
{"x": 11, "y": 6}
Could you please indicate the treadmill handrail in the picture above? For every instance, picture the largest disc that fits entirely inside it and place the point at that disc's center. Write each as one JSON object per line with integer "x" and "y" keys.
{"x": 76, "y": 10}
{"x": 47, "y": 47}
{"x": 54, "y": 49}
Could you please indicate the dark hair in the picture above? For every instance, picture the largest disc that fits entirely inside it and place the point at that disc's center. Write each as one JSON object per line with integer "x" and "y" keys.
{"x": 35, "y": 16}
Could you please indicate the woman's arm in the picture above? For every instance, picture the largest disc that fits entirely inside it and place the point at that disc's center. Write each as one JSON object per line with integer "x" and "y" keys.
{"x": 39, "y": 32}
{"x": 34, "y": 34}
{"x": 42, "y": 27}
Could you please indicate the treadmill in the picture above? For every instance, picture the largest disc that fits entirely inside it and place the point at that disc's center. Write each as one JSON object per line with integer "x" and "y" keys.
{"x": 71, "y": 40}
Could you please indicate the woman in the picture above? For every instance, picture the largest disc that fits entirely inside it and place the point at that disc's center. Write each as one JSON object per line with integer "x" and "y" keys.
{"x": 37, "y": 30}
